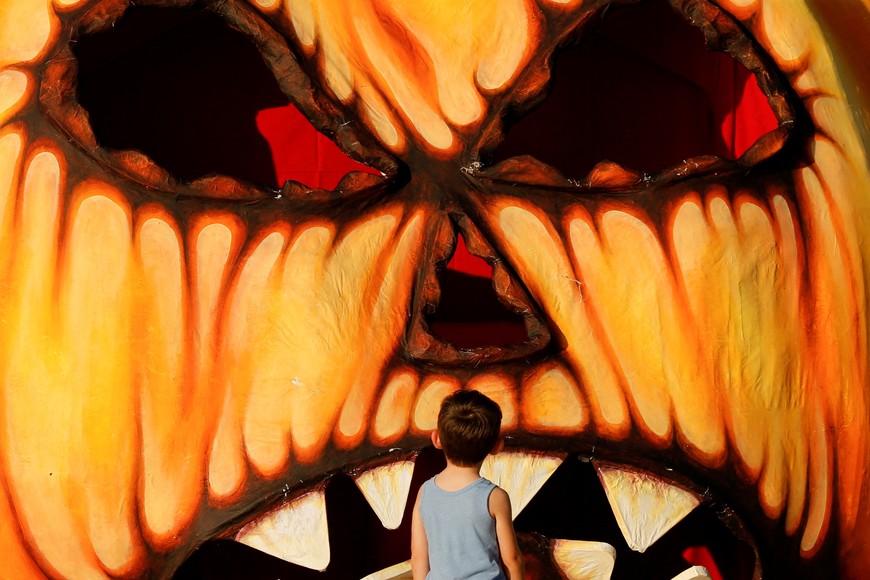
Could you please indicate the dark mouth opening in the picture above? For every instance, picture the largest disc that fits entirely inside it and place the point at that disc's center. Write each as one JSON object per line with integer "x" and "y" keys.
{"x": 570, "y": 506}
{"x": 359, "y": 544}
{"x": 639, "y": 87}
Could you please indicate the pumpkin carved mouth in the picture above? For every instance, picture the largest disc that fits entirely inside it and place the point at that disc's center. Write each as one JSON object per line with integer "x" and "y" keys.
{"x": 255, "y": 339}
{"x": 652, "y": 522}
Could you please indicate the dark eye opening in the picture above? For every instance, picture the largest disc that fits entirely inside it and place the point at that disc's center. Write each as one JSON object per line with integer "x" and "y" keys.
{"x": 195, "y": 96}
{"x": 641, "y": 89}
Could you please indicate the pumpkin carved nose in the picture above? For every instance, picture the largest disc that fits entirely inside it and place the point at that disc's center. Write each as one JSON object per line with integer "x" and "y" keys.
{"x": 469, "y": 314}
{"x": 471, "y": 309}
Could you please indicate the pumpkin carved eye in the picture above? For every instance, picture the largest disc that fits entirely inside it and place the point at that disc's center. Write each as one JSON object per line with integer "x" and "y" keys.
{"x": 190, "y": 99}
{"x": 637, "y": 91}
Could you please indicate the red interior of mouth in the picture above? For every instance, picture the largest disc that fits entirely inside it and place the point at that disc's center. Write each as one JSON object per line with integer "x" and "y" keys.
{"x": 701, "y": 556}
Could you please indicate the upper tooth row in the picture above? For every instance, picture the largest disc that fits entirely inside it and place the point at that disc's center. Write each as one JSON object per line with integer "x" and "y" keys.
{"x": 644, "y": 506}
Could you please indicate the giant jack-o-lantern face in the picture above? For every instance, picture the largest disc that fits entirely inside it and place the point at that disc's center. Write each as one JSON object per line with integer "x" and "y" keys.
{"x": 187, "y": 360}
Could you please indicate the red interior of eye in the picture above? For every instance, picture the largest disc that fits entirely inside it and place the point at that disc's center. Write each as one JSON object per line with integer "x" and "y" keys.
{"x": 300, "y": 152}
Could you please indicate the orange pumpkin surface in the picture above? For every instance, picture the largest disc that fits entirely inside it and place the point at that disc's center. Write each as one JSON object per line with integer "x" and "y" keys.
{"x": 182, "y": 356}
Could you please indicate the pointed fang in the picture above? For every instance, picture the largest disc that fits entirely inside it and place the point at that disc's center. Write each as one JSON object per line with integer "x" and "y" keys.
{"x": 296, "y": 533}
{"x": 520, "y": 474}
{"x": 386, "y": 488}
{"x": 646, "y": 507}
{"x": 584, "y": 560}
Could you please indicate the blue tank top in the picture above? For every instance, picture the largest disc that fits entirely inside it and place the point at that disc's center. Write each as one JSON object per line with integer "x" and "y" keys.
{"x": 460, "y": 532}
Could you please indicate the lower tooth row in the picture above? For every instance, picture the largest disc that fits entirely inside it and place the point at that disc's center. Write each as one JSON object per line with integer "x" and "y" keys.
{"x": 644, "y": 506}
{"x": 576, "y": 560}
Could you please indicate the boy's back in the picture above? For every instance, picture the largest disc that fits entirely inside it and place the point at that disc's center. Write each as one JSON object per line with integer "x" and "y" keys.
{"x": 460, "y": 531}
{"x": 462, "y": 526}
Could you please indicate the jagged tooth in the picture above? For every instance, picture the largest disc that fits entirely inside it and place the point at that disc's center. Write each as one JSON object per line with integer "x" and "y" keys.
{"x": 693, "y": 573}
{"x": 520, "y": 474}
{"x": 579, "y": 560}
{"x": 296, "y": 533}
{"x": 646, "y": 507}
{"x": 386, "y": 488}
{"x": 400, "y": 571}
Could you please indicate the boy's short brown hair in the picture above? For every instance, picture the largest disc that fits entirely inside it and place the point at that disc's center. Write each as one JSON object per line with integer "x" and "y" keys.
{"x": 468, "y": 426}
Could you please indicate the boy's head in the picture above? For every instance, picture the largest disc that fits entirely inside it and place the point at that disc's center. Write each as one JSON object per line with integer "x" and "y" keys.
{"x": 468, "y": 427}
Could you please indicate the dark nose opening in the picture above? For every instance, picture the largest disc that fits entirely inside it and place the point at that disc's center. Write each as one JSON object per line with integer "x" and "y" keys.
{"x": 469, "y": 314}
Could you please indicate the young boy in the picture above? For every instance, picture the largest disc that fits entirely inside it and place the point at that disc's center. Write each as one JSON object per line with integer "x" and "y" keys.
{"x": 462, "y": 526}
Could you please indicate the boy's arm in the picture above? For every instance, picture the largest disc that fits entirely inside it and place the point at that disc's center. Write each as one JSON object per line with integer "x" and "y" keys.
{"x": 419, "y": 545}
{"x": 512, "y": 559}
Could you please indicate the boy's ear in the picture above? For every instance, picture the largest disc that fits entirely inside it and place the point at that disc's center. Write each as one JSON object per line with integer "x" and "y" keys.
{"x": 499, "y": 445}
{"x": 436, "y": 440}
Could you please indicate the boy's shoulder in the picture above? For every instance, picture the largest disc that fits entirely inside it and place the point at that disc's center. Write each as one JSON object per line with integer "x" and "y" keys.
{"x": 499, "y": 492}
{"x": 499, "y": 502}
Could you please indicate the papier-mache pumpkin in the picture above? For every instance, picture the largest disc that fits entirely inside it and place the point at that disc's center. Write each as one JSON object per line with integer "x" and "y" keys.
{"x": 230, "y": 235}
